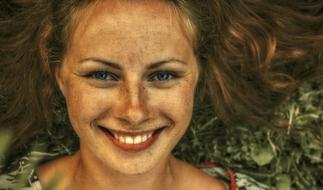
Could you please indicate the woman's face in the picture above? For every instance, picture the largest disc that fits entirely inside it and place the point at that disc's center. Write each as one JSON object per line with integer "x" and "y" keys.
{"x": 129, "y": 78}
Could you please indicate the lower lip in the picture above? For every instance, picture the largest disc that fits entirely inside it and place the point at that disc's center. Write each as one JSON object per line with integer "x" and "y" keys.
{"x": 134, "y": 147}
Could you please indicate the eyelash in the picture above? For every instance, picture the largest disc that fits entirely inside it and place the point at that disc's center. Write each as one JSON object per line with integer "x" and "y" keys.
{"x": 173, "y": 75}
{"x": 92, "y": 75}
{"x": 152, "y": 77}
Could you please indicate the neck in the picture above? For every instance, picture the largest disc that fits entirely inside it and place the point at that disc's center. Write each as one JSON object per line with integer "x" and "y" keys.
{"x": 90, "y": 174}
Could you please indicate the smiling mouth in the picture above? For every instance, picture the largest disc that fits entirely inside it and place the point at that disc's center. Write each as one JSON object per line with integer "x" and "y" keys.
{"x": 132, "y": 141}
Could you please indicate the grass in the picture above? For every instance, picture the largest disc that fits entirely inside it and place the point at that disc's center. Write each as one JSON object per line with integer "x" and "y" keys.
{"x": 286, "y": 156}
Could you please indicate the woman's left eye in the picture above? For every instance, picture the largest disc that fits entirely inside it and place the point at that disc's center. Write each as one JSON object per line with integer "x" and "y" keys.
{"x": 162, "y": 76}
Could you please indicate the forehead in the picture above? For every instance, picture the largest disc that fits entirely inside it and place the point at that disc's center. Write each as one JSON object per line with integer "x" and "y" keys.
{"x": 124, "y": 25}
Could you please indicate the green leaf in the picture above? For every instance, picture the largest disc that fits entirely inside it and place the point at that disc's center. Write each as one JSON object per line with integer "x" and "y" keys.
{"x": 283, "y": 182}
{"x": 262, "y": 156}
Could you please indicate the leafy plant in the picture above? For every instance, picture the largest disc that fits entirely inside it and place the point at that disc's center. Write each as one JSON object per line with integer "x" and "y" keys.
{"x": 286, "y": 156}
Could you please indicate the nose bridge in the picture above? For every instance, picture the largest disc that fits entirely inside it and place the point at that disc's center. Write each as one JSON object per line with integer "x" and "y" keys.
{"x": 133, "y": 93}
{"x": 134, "y": 102}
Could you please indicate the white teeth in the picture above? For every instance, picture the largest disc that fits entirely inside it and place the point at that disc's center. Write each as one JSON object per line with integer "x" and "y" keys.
{"x": 122, "y": 139}
{"x": 144, "y": 138}
{"x": 129, "y": 140}
{"x": 137, "y": 140}
{"x": 133, "y": 140}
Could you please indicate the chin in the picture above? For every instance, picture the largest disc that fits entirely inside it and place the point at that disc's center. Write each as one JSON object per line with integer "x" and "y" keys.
{"x": 133, "y": 165}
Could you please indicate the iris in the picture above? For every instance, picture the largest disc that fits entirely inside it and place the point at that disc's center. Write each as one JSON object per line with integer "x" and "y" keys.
{"x": 101, "y": 75}
{"x": 162, "y": 76}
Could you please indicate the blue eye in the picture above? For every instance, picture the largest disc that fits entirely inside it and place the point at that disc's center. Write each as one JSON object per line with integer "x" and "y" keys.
{"x": 162, "y": 76}
{"x": 102, "y": 75}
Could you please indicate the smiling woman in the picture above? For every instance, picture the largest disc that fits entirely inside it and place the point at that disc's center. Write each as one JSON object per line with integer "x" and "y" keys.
{"x": 127, "y": 111}
{"x": 129, "y": 72}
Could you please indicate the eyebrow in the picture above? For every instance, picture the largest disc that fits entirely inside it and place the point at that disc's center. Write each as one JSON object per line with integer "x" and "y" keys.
{"x": 114, "y": 65}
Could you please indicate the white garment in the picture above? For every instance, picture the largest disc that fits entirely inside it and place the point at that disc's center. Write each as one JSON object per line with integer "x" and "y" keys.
{"x": 36, "y": 186}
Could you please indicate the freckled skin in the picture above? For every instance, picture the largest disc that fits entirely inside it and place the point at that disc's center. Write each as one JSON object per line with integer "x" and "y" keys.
{"x": 132, "y": 34}
{"x": 132, "y": 41}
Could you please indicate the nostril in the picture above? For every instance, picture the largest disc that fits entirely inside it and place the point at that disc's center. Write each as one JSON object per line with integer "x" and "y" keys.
{"x": 134, "y": 116}
{"x": 133, "y": 108}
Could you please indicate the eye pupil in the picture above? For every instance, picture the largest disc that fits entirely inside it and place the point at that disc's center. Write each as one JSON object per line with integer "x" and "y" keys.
{"x": 101, "y": 75}
{"x": 163, "y": 76}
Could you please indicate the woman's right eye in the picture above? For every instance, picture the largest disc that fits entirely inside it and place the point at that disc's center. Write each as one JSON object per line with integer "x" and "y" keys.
{"x": 102, "y": 75}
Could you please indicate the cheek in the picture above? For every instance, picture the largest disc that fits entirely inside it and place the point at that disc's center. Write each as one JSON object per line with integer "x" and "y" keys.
{"x": 176, "y": 103}
{"x": 84, "y": 104}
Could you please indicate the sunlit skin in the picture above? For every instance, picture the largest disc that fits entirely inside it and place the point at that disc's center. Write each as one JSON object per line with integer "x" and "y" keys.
{"x": 130, "y": 67}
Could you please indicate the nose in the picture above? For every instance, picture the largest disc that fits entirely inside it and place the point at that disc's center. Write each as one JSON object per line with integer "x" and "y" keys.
{"x": 132, "y": 108}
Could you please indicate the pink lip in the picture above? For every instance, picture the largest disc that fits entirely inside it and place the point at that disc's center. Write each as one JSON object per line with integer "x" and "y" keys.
{"x": 134, "y": 147}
